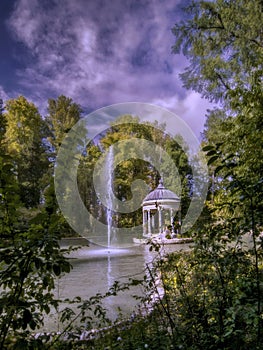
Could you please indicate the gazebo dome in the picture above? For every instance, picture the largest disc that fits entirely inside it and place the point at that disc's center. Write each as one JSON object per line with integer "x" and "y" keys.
{"x": 160, "y": 193}
{"x": 161, "y": 196}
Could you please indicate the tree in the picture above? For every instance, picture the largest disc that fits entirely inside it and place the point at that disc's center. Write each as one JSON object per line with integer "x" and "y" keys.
{"x": 24, "y": 138}
{"x": 63, "y": 115}
{"x": 223, "y": 43}
{"x": 128, "y": 170}
{"x": 126, "y": 128}
{"x": 30, "y": 255}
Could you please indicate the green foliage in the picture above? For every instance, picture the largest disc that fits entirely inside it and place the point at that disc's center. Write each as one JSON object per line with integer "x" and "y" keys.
{"x": 63, "y": 115}
{"x": 126, "y": 128}
{"x": 9, "y": 198}
{"x": 218, "y": 286}
{"x": 23, "y": 139}
{"x": 30, "y": 264}
{"x": 31, "y": 260}
{"x": 213, "y": 294}
{"x": 223, "y": 42}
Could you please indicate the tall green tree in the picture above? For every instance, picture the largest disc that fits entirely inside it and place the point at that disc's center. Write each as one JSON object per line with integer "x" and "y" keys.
{"x": 30, "y": 256}
{"x": 223, "y": 43}
{"x": 63, "y": 114}
{"x": 24, "y": 138}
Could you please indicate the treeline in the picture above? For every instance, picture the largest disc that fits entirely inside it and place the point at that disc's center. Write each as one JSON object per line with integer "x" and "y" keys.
{"x": 29, "y": 145}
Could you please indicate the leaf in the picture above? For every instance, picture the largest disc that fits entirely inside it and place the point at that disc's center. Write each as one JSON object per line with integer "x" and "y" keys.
{"x": 32, "y": 325}
{"x": 45, "y": 281}
{"x": 212, "y": 160}
{"x": 208, "y": 148}
{"x": 56, "y": 269}
{"x": 217, "y": 169}
{"x": 27, "y": 317}
{"x": 38, "y": 263}
{"x": 211, "y": 153}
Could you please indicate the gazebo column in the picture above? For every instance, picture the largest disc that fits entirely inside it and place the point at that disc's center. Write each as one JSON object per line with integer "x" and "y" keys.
{"x": 180, "y": 219}
{"x": 171, "y": 219}
{"x": 153, "y": 224}
{"x": 144, "y": 220}
{"x": 160, "y": 219}
{"x": 149, "y": 221}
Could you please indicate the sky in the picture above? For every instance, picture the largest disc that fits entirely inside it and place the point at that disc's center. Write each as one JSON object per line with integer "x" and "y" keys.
{"x": 97, "y": 52}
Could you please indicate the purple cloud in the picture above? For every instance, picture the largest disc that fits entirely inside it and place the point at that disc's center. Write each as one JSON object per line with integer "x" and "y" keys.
{"x": 101, "y": 52}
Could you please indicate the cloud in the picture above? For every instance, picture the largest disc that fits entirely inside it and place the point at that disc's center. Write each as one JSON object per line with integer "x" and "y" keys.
{"x": 100, "y": 52}
{"x": 3, "y": 94}
{"x": 192, "y": 109}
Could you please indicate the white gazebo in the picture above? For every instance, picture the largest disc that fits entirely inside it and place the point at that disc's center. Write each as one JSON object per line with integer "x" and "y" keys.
{"x": 159, "y": 208}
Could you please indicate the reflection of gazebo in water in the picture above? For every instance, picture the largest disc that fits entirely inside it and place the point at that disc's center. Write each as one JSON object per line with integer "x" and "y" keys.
{"x": 159, "y": 208}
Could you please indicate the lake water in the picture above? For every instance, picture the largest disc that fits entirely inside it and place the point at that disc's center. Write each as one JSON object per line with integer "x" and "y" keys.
{"x": 96, "y": 268}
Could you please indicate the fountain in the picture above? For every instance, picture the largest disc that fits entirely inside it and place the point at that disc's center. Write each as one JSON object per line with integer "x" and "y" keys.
{"x": 109, "y": 171}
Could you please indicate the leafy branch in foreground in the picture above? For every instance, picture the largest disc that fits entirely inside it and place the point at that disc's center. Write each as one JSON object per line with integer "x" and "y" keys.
{"x": 29, "y": 268}
{"x": 31, "y": 260}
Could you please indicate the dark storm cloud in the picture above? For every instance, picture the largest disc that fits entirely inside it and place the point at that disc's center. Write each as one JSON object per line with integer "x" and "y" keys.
{"x": 102, "y": 52}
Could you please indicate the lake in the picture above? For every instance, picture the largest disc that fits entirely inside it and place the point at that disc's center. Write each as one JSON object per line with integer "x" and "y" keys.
{"x": 96, "y": 268}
